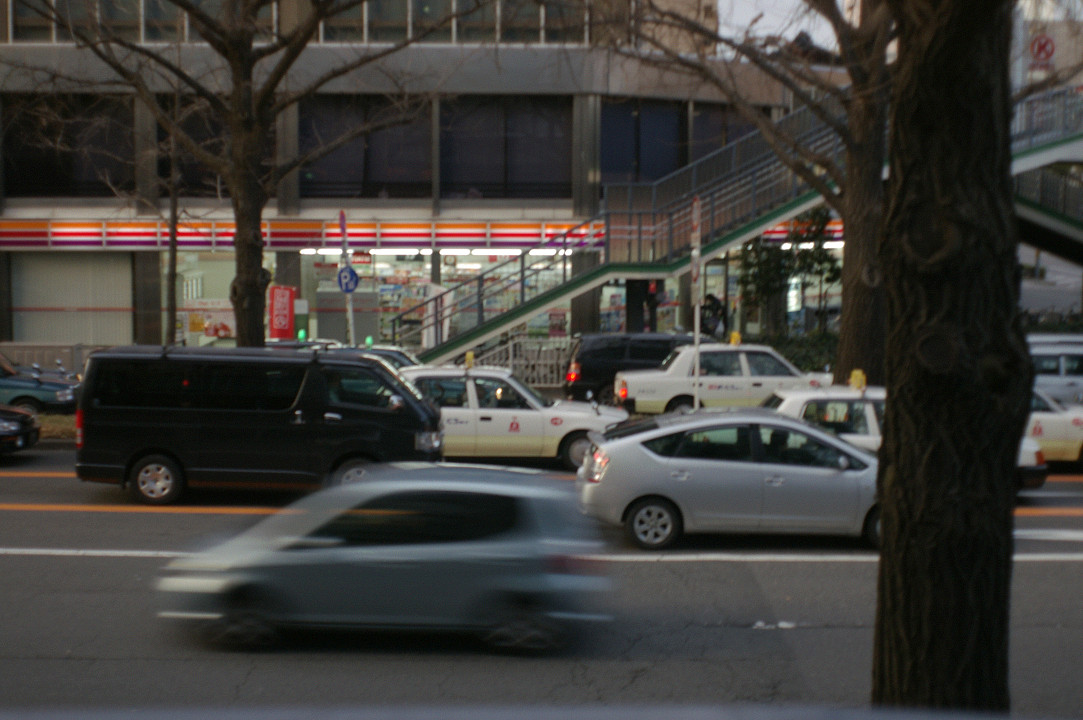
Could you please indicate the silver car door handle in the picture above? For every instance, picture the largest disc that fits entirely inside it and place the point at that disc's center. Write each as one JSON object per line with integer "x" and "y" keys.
{"x": 775, "y": 480}
{"x": 680, "y": 475}
{"x": 332, "y": 417}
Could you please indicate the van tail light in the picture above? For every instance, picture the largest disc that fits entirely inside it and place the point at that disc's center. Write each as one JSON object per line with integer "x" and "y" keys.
{"x": 78, "y": 428}
{"x": 622, "y": 391}
{"x": 574, "y": 373}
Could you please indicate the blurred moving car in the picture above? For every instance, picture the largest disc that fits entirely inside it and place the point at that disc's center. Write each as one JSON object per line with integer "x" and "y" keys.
{"x": 1056, "y": 428}
{"x": 857, "y": 417}
{"x": 394, "y": 355}
{"x": 35, "y": 394}
{"x": 729, "y": 375}
{"x": 596, "y": 358}
{"x": 488, "y": 412}
{"x": 747, "y": 470}
{"x": 493, "y": 551}
{"x": 19, "y": 430}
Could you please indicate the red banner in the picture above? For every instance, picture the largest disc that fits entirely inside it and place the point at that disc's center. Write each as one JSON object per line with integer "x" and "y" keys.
{"x": 280, "y": 309}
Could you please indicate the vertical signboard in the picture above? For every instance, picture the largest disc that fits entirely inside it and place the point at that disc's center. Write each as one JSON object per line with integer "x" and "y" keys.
{"x": 281, "y": 310}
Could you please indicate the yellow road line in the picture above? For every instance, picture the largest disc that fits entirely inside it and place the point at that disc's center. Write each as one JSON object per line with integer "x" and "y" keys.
{"x": 1049, "y": 512}
{"x": 26, "y": 474}
{"x": 184, "y": 510}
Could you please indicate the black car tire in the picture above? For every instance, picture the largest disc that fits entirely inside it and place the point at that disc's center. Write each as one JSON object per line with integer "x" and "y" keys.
{"x": 682, "y": 403}
{"x": 653, "y": 524}
{"x": 156, "y": 480}
{"x": 522, "y": 627}
{"x": 29, "y": 405}
{"x": 605, "y": 396}
{"x": 244, "y": 624}
{"x": 574, "y": 449}
{"x": 871, "y": 529}
{"x": 350, "y": 471}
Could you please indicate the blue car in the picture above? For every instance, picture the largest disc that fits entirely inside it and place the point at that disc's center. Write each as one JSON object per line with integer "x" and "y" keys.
{"x": 35, "y": 394}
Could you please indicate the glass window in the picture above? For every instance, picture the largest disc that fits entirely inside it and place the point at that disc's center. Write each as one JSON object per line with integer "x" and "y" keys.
{"x": 68, "y": 145}
{"x": 120, "y": 383}
{"x": 838, "y": 416}
{"x": 722, "y": 443}
{"x": 565, "y": 21}
{"x": 324, "y": 119}
{"x": 498, "y": 394}
{"x": 411, "y": 518}
{"x": 445, "y": 392}
{"x": 1047, "y": 364}
{"x": 533, "y": 123}
{"x": 477, "y": 24}
{"x": 400, "y": 158}
{"x": 762, "y": 364}
{"x": 31, "y": 21}
{"x": 162, "y": 21}
{"x": 251, "y": 387}
{"x": 387, "y": 20}
{"x": 790, "y": 447}
{"x": 1073, "y": 364}
{"x": 471, "y": 163}
{"x": 357, "y": 386}
{"x": 720, "y": 363}
{"x": 347, "y": 25}
{"x": 520, "y": 21}
{"x": 618, "y": 140}
{"x": 661, "y": 139}
{"x": 121, "y": 17}
{"x": 666, "y": 446}
{"x": 432, "y": 20}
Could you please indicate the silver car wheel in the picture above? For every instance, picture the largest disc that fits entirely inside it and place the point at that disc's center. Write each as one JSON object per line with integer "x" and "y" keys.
{"x": 350, "y": 472}
{"x": 523, "y": 629}
{"x": 653, "y": 524}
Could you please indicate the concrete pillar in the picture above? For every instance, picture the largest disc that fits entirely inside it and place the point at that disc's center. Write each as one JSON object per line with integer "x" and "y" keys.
{"x": 288, "y": 269}
{"x": 434, "y": 135}
{"x": 145, "y": 131}
{"x": 287, "y": 146}
{"x": 147, "y": 298}
{"x": 7, "y": 320}
{"x": 586, "y": 155}
{"x": 586, "y": 308}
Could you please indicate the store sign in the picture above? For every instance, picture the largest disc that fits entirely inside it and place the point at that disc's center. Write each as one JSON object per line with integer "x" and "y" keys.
{"x": 281, "y": 311}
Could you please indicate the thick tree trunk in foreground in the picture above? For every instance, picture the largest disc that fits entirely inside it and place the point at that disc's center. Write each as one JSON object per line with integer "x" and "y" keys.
{"x": 958, "y": 372}
{"x": 249, "y": 155}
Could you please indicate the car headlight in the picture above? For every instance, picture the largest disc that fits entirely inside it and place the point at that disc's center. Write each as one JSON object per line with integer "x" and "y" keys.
{"x": 7, "y": 426}
{"x": 65, "y": 395}
{"x": 428, "y": 441}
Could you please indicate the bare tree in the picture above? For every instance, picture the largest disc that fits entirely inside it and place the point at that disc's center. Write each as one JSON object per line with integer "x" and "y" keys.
{"x": 958, "y": 370}
{"x": 242, "y": 90}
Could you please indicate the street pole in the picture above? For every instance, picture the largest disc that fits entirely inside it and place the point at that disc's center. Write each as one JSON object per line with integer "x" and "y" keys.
{"x": 344, "y": 262}
{"x": 696, "y": 301}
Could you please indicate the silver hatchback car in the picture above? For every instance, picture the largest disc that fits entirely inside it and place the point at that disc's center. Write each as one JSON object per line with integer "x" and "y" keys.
{"x": 498, "y": 552}
{"x": 746, "y": 470}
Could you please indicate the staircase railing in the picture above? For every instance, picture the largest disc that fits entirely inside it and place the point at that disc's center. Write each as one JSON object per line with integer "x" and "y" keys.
{"x": 651, "y": 222}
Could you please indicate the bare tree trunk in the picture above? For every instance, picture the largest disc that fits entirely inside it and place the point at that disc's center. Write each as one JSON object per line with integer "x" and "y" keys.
{"x": 957, "y": 368}
{"x": 248, "y": 292}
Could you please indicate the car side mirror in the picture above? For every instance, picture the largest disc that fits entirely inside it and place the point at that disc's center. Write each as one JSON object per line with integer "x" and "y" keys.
{"x": 395, "y": 403}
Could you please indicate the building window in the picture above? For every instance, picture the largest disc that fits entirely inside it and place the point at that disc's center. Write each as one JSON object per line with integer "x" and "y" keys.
{"x": 395, "y": 161}
{"x": 432, "y": 20}
{"x": 520, "y": 21}
{"x": 642, "y": 141}
{"x": 345, "y": 26}
{"x": 206, "y": 129}
{"x": 388, "y": 20}
{"x": 565, "y": 22}
{"x": 68, "y": 146}
{"x": 162, "y": 21}
{"x": 506, "y": 147}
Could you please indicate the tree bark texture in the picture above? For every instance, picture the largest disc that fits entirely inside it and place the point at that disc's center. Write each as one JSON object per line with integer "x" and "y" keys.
{"x": 861, "y": 324}
{"x": 957, "y": 368}
{"x": 248, "y": 292}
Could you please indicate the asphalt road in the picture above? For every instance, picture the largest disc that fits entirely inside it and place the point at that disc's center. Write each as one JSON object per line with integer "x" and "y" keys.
{"x": 719, "y": 621}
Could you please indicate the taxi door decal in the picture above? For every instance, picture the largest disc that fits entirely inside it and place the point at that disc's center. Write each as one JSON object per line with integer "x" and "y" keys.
{"x": 514, "y": 426}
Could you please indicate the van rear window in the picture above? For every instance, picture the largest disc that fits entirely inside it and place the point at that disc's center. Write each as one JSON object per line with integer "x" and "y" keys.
{"x": 229, "y": 386}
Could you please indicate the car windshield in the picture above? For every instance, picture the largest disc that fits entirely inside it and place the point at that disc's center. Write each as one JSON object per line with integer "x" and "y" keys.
{"x": 630, "y": 427}
{"x": 530, "y": 392}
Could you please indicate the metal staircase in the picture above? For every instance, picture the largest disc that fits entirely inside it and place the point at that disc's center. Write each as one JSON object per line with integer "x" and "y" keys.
{"x": 644, "y": 229}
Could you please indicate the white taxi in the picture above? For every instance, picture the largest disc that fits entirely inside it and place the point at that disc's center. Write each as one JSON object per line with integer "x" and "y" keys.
{"x": 1058, "y": 429}
{"x": 857, "y": 416}
{"x": 488, "y": 412}
{"x": 728, "y": 375}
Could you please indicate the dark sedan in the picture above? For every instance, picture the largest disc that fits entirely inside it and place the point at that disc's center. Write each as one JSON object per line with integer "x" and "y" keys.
{"x": 19, "y": 429}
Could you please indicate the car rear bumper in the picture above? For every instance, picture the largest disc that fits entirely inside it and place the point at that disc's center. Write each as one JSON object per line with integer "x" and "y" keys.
{"x": 1029, "y": 477}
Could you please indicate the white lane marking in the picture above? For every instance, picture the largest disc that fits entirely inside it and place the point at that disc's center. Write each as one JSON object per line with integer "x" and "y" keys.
{"x": 1055, "y": 535}
{"x": 66, "y": 552}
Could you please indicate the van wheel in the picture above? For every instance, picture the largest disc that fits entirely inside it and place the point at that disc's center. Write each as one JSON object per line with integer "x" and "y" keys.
{"x": 523, "y": 627}
{"x": 574, "y": 449}
{"x": 350, "y": 471}
{"x": 156, "y": 480}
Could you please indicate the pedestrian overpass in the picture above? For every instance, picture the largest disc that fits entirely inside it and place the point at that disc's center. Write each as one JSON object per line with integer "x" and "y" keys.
{"x": 741, "y": 190}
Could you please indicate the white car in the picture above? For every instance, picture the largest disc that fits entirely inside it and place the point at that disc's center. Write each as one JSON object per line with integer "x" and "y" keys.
{"x": 745, "y": 470}
{"x": 488, "y": 412}
{"x": 857, "y": 417}
{"x": 1056, "y": 428}
{"x": 1058, "y": 369}
{"x": 728, "y": 375}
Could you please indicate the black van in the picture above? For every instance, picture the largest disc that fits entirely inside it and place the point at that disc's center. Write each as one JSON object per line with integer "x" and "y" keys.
{"x": 597, "y": 357}
{"x": 161, "y": 420}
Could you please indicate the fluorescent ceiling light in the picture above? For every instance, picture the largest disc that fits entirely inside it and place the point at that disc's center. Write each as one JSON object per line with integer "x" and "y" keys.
{"x": 455, "y": 251}
{"x": 469, "y": 266}
{"x": 405, "y": 252}
{"x": 499, "y": 252}
{"x": 549, "y": 252}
